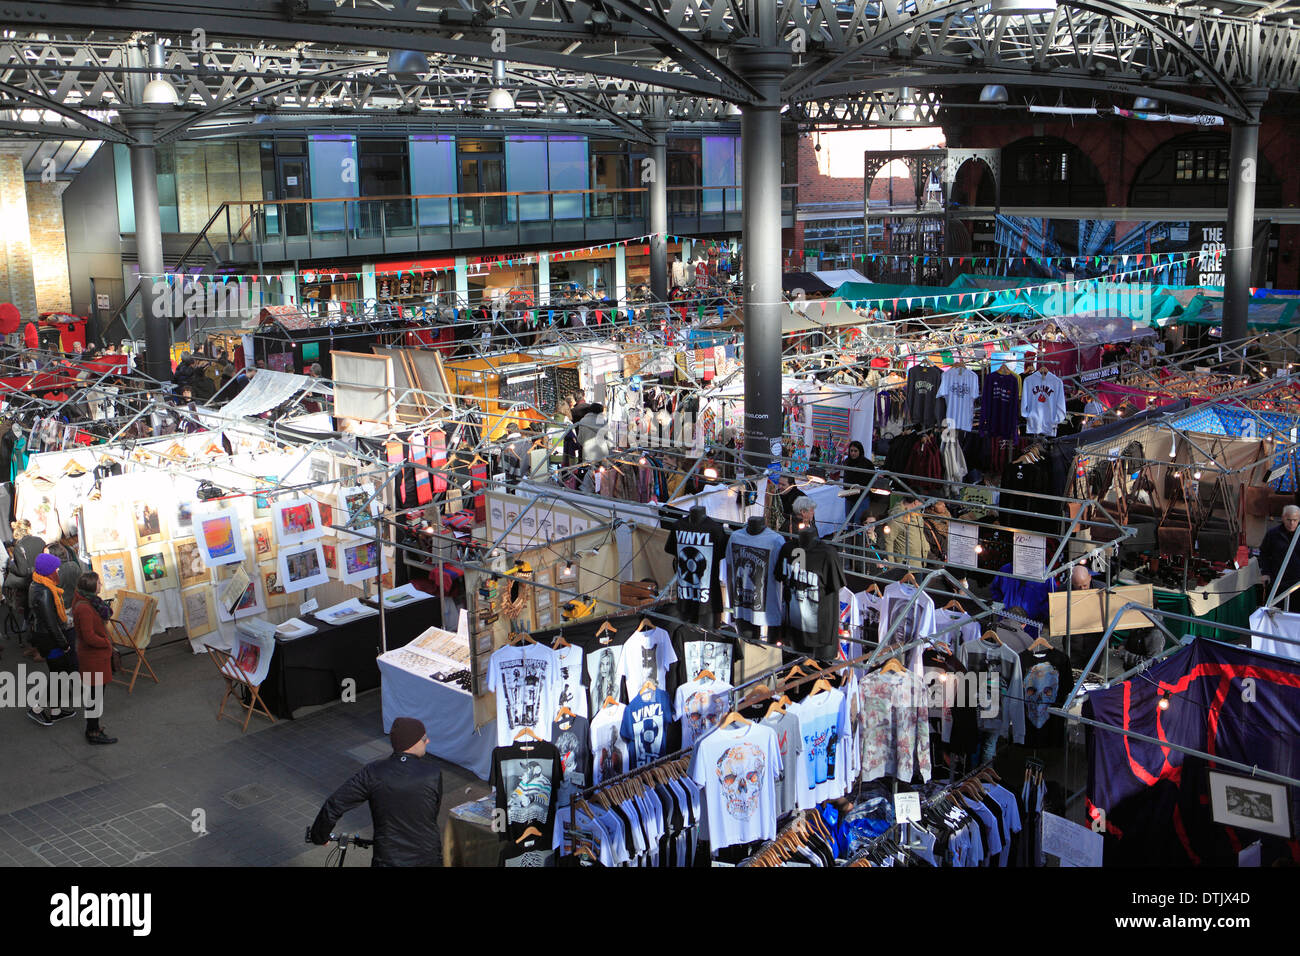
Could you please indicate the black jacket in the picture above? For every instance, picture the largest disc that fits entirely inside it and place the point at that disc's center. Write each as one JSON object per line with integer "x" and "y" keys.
{"x": 48, "y": 632}
{"x": 404, "y": 793}
{"x": 1272, "y": 552}
{"x": 23, "y": 562}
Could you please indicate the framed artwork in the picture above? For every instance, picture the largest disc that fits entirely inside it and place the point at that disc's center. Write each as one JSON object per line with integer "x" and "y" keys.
{"x": 190, "y": 569}
{"x": 148, "y": 523}
{"x": 263, "y": 541}
{"x": 319, "y": 469}
{"x": 276, "y": 595}
{"x": 358, "y": 561}
{"x": 1250, "y": 804}
{"x": 135, "y": 611}
{"x": 115, "y": 571}
{"x": 326, "y": 516}
{"x": 302, "y": 567}
{"x": 108, "y": 525}
{"x": 296, "y": 520}
{"x": 219, "y": 538}
{"x": 200, "y": 612}
{"x": 261, "y": 502}
{"x": 358, "y": 507}
{"x": 347, "y": 469}
{"x": 183, "y": 519}
{"x": 249, "y": 603}
{"x": 331, "y": 553}
{"x": 157, "y": 568}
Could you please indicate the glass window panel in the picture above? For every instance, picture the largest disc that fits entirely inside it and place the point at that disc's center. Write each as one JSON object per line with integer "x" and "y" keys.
{"x": 568, "y": 168}
{"x": 526, "y": 172}
{"x": 719, "y": 162}
{"x": 433, "y": 173}
{"x": 333, "y": 165}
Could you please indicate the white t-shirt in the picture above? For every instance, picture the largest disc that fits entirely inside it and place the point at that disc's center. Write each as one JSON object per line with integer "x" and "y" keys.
{"x": 609, "y": 755}
{"x": 824, "y": 725}
{"x": 1042, "y": 402}
{"x": 572, "y": 694}
{"x": 737, "y": 767}
{"x": 647, "y": 655}
{"x": 700, "y": 706}
{"x": 850, "y": 625}
{"x": 959, "y": 387}
{"x": 603, "y": 674}
{"x": 917, "y": 622}
{"x": 526, "y": 680}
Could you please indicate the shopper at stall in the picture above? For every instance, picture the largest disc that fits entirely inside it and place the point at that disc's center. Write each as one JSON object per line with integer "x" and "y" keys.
{"x": 18, "y": 571}
{"x": 94, "y": 648}
{"x": 858, "y": 471}
{"x": 404, "y": 791}
{"x": 1272, "y": 554}
{"x": 50, "y": 634}
{"x": 788, "y": 492}
{"x": 904, "y": 534}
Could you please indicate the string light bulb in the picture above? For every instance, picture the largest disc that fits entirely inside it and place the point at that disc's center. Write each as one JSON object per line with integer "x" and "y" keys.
{"x": 711, "y": 473}
{"x": 1164, "y": 701}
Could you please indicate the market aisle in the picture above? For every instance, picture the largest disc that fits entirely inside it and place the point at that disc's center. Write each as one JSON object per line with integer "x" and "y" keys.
{"x": 135, "y": 802}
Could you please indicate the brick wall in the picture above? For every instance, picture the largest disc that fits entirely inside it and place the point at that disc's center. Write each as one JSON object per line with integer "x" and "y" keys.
{"x": 17, "y": 284}
{"x": 49, "y": 246}
{"x": 208, "y": 174}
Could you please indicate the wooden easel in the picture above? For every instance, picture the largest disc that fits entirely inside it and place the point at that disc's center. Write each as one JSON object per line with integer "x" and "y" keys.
{"x": 122, "y": 638}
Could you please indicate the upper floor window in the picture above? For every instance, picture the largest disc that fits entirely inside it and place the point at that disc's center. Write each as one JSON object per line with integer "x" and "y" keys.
{"x": 1044, "y": 166}
{"x": 1201, "y": 165}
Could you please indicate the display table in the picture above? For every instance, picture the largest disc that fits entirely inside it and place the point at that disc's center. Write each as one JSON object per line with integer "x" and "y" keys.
{"x": 1229, "y": 599}
{"x": 311, "y": 670}
{"x": 447, "y": 713}
{"x": 467, "y": 837}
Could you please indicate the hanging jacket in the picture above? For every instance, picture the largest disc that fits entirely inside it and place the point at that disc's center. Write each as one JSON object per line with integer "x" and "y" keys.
{"x": 954, "y": 462}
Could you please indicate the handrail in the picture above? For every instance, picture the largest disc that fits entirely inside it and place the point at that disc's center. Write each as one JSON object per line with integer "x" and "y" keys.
{"x": 538, "y": 192}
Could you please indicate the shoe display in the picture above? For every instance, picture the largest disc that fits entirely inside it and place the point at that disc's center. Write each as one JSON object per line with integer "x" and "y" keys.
{"x": 99, "y": 737}
{"x": 40, "y": 717}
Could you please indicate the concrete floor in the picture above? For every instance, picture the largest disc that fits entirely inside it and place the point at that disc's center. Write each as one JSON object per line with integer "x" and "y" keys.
{"x": 65, "y": 802}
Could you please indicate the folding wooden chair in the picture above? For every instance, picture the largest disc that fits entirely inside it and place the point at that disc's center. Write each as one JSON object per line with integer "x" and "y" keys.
{"x": 122, "y": 638}
{"x": 236, "y": 677}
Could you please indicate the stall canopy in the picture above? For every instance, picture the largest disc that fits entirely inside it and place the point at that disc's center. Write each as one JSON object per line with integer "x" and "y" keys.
{"x": 808, "y": 282}
{"x": 837, "y": 277}
{"x": 1267, "y": 313}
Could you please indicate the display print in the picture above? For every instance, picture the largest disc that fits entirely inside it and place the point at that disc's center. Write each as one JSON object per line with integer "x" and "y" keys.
{"x": 200, "y": 612}
{"x": 148, "y": 523}
{"x": 114, "y": 570}
{"x": 529, "y": 784}
{"x": 602, "y": 670}
{"x": 135, "y": 612}
{"x": 44, "y": 517}
{"x": 190, "y": 568}
{"x": 234, "y": 587}
{"x": 702, "y": 711}
{"x": 319, "y": 469}
{"x": 326, "y": 512}
{"x": 262, "y": 502}
{"x": 296, "y": 520}
{"x": 249, "y": 657}
{"x": 331, "y": 553}
{"x": 1042, "y": 682}
{"x": 157, "y": 572}
{"x": 703, "y": 656}
{"x": 358, "y": 562}
{"x": 302, "y": 567}
{"x": 1250, "y": 804}
{"x": 608, "y": 752}
{"x": 357, "y": 509}
{"x": 695, "y": 559}
{"x": 219, "y": 538}
{"x": 276, "y": 595}
{"x": 108, "y": 525}
{"x": 263, "y": 541}
{"x": 741, "y": 772}
{"x": 243, "y": 602}
{"x": 183, "y": 518}
{"x": 523, "y": 688}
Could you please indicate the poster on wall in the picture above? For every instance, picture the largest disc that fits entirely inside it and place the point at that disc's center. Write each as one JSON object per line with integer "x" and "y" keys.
{"x": 330, "y": 550}
{"x": 107, "y": 525}
{"x": 359, "y": 561}
{"x": 190, "y": 568}
{"x": 302, "y": 567}
{"x": 263, "y": 541}
{"x": 296, "y": 520}
{"x": 358, "y": 507}
{"x": 148, "y": 523}
{"x": 276, "y": 595}
{"x": 262, "y": 502}
{"x": 157, "y": 571}
{"x": 219, "y": 538}
{"x": 114, "y": 570}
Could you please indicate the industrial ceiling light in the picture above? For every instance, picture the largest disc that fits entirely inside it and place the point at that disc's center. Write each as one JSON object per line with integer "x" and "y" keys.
{"x": 906, "y": 112}
{"x": 994, "y": 93}
{"x": 500, "y": 99}
{"x": 733, "y": 109}
{"x": 407, "y": 64}
{"x": 158, "y": 92}
{"x": 1146, "y": 103}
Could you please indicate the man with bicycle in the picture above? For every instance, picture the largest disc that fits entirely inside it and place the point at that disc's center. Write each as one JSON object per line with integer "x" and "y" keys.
{"x": 404, "y": 791}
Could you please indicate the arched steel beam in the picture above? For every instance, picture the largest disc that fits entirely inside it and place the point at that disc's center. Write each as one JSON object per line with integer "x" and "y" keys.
{"x": 90, "y": 124}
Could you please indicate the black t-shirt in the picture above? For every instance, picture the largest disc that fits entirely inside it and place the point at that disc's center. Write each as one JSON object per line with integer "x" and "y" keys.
{"x": 526, "y": 776}
{"x": 699, "y": 545}
{"x": 572, "y": 738}
{"x": 532, "y": 851}
{"x": 699, "y": 650}
{"x": 1046, "y": 677}
{"x": 922, "y": 394}
{"x": 811, "y": 572}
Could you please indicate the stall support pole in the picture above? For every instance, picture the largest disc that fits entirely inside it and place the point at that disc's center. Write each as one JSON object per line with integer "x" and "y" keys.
{"x": 1244, "y": 163}
{"x": 760, "y": 137}
{"x": 658, "y": 184}
{"x": 148, "y": 244}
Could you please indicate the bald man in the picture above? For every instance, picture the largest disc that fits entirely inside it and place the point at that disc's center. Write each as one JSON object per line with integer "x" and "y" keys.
{"x": 1272, "y": 552}
{"x": 1080, "y": 577}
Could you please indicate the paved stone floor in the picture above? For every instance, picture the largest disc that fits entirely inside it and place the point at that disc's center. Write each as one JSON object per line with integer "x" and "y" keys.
{"x": 64, "y": 802}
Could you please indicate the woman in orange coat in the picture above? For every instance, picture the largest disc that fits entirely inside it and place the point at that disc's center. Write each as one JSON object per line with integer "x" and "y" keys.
{"x": 94, "y": 647}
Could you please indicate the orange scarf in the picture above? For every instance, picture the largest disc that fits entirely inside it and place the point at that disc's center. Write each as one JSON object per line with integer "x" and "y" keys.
{"x": 56, "y": 590}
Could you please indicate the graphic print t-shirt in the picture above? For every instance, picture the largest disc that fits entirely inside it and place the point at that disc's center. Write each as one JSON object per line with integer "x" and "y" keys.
{"x": 603, "y": 674}
{"x": 572, "y": 694}
{"x": 526, "y": 680}
{"x": 737, "y": 767}
{"x": 700, "y": 706}
{"x": 572, "y": 738}
{"x": 699, "y": 547}
{"x": 823, "y": 724}
{"x": 1042, "y": 402}
{"x": 959, "y": 388}
{"x": 645, "y": 726}
{"x": 526, "y": 776}
{"x": 608, "y": 751}
{"x": 792, "y": 780}
{"x": 1046, "y": 678}
{"x": 810, "y": 570}
{"x": 699, "y": 650}
{"x": 647, "y": 655}
{"x": 751, "y": 576}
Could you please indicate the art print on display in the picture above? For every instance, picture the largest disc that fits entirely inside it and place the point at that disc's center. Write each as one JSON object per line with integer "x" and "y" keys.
{"x": 219, "y": 537}
{"x": 602, "y": 669}
{"x": 108, "y": 525}
{"x": 132, "y": 611}
{"x": 263, "y": 541}
{"x": 115, "y": 571}
{"x": 190, "y": 568}
{"x": 276, "y": 595}
{"x": 331, "y": 558}
{"x": 357, "y": 509}
{"x": 528, "y": 785}
{"x": 358, "y": 562}
{"x": 302, "y": 567}
{"x": 148, "y": 523}
{"x": 248, "y": 603}
{"x": 296, "y": 520}
{"x": 1250, "y": 804}
{"x": 319, "y": 469}
{"x": 262, "y": 502}
{"x": 326, "y": 517}
{"x": 157, "y": 572}
{"x": 200, "y": 612}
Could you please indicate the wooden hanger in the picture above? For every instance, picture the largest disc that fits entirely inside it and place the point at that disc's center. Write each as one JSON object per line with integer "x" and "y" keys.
{"x": 872, "y": 588}
{"x": 648, "y": 686}
{"x": 603, "y": 629}
{"x": 519, "y": 637}
{"x": 564, "y": 712}
{"x": 954, "y": 605}
{"x": 908, "y": 578}
{"x": 892, "y": 665}
{"x": 607, "y": 702}
{"x": 529, "y": 732}
{"x": 645, "y": 623}
{"x": 778, "y": 706}
{"x": 705, "y": 674}
{"x": 560, "y": 642}
{"x": 822, "y": 685}
{"x": 733, "y": 718}
{"x": 531, "y": 831}
{"x": 760, "y": 693}
{"x": 1041, "y": 642}
{"x": 991, "y": 635}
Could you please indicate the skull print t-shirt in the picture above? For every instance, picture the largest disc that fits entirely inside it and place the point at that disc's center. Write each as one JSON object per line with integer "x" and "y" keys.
{"x": 737, "y": 766}
{"x": 526, "y": 680}
{"x": 1046, "y": 678}
{"x": 700, "y": 706}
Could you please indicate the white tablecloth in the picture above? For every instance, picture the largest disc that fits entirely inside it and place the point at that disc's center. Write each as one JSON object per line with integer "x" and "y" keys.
{"x": 447, "y": 713}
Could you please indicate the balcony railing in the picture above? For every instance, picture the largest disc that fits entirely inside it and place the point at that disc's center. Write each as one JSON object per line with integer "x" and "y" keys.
{"x": 283, "y": 230}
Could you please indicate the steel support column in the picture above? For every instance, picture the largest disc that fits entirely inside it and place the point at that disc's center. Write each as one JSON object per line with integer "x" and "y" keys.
{"x": 658, "y": 185}
{"x": 149, "y": 249}
{"x": 760, "y": 139}
{"x": 1244, "y": 165}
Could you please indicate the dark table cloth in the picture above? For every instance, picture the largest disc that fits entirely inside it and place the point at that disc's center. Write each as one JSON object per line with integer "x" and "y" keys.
{"x": 311, "y": 670}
